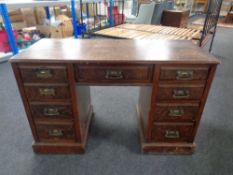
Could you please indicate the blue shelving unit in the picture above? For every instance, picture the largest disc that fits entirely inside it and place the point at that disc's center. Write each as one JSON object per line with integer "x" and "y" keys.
{"x": 8, "y": 28}
{"x": 110, "y": 13}
{"x": 74, "y": 19}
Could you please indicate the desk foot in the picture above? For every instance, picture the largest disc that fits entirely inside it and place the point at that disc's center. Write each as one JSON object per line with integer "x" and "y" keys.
{"x": 160, "y": 147}
{"x": 65, "y": 148}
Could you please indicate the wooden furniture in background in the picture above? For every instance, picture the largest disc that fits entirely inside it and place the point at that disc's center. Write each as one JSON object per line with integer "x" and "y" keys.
{"x": 54, "y": 79}
{"x": 229, "y": 17}
{"x": 175, "y": 18}
{"x": 146, "y": 31}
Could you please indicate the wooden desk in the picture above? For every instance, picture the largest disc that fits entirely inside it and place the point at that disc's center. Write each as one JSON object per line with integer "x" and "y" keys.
{"x": 54, "y": 76}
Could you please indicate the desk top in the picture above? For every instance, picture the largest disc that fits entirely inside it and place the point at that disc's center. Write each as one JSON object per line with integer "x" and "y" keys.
{"x": 110, "y": 51}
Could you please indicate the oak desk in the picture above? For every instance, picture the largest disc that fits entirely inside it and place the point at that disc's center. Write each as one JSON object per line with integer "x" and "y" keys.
{"x": 54, "y": 76}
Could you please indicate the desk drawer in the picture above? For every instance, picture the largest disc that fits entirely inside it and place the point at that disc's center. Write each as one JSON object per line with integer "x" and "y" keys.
{"x": 183, "y": 73}
{"x": 180, "y": 91}
{"x": 56, "y": 132}
{"x": 47, "y": 92}
{"x": 176, "y": 112}
{"x": 114, "y": 73}
{"x": 51, "y": 111}
{"x": 41, "y": 73}
{"x": 172, "y": 132}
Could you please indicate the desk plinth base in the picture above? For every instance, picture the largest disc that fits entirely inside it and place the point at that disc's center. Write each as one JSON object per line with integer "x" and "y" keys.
{"x": 64, "y": 148}
{"x": 47, "y": 148}
{"x": 160, "y": 147}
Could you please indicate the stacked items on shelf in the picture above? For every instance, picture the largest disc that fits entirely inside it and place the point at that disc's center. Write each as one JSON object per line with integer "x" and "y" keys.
{"x": 92, "y": 16}
{"x": 61, "y": 27}
{"x": 28, "y": 36}
{"x": 30, "y": 24}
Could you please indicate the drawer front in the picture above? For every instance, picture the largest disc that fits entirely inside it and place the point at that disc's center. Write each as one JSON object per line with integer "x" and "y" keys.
{"x": 40, "y": 74}
{"x": 180, "y": 92}
{"x": 56, "y": 132}
{"x": 172, "y": 133}
{"x": 53, "y": 112}
{"x": 45, "y": 92}
{"x": 111, "y": 73}
{"x": 184, "y": 73}
{"x": 177, "y": 112}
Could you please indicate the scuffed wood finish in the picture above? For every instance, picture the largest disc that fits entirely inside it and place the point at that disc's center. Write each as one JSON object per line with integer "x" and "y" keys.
{"x": 115, "y": 51}
{"x": 175, "y": 78}
{"x": 180, "y": 91}
{"x": 56, "y": 132}
{"x": 172, "y": 73}
{"x": 51, "y": 111}
{"x": 166, "y": 132}
{"x": 162, "y": 147}
{"x": 175, "y": 112}
{"x": 47, "y": 92}
{"x": 25, "y": 101}
{"x": 37, "y": 73}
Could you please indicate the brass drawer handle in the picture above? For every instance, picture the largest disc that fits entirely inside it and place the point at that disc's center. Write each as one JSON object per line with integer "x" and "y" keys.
{"x": 180, "y": 93}
{"x": 175, "y": 112}
{"x": 51, "y": 111}
{"x": 43, "y": 73}
{"x": 184, "y": 75}
{"x": 114, "y": 75}
{"x": 47, "y": 91}
{"x": 170, "y": 134}
{"x": 56, "y": 132}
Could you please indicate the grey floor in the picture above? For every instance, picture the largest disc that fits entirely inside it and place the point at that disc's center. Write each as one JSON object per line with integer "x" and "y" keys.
{"x": 113, "y": 144}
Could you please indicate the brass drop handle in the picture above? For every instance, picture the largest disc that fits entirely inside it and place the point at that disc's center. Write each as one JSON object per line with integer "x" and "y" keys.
{"x": 184, "y": 75}
{"x": 47, "y": 91}
{"x": 56, "y": 132}
{"x": 43, "y": 73}
{"x": 114, "y": 75}
{"x": 51, "y": 111}
{"x": 175, "y": 112}
{"x": 181, "y": 93}
{"x": 172, "y": 134}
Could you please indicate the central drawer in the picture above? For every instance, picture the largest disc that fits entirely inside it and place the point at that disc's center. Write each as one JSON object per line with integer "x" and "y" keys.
{"x": 113, "y": 73}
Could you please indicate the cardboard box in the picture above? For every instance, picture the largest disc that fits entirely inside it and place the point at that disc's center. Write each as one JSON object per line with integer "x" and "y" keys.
{"x": 61, "y": 29}
{"x": 40, "y": 15}
{"x": 29, "y": 17}
{"x": 16, "y": 18}
{"x": 18, "y": 25}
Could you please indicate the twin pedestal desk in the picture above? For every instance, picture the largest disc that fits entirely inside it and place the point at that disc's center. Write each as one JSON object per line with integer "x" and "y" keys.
{"x": 54, "y": 79}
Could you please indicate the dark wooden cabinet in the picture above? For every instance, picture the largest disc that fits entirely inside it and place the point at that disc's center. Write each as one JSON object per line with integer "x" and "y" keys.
{"x": 54, "y": 86}
{"x": 175, "y": 18}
